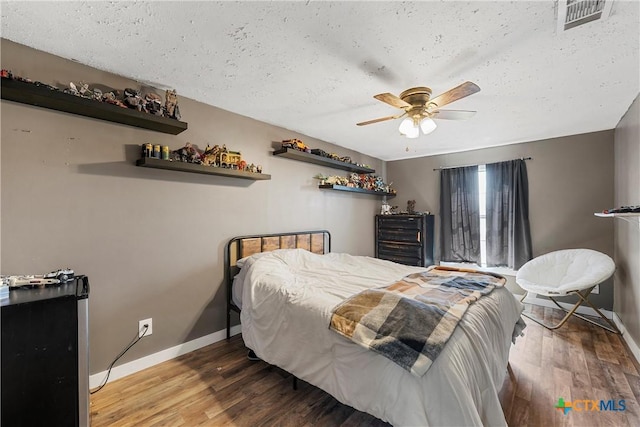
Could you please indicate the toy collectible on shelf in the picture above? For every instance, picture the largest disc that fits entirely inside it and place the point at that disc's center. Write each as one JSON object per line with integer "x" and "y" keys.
{"x": 297, "y": 144}
{"x": 131, "y": 98}
{"x": 623, "y": 209}
{"x": 355, "y": 180}
{"x": 215, "y": 156}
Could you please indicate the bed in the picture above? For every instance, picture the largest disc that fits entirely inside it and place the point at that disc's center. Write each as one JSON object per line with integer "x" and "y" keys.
{"x": 285, "y": 287}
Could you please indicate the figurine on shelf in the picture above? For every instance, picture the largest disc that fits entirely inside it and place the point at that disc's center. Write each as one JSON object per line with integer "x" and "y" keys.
{"x": 366, "y": 181}
{"x": 132, "y": 99}
{"x": 210, "y": 156}
{"x": 44, "y": 85}
{"x": 153, "y": 104}
{"x": 229, "y": 159}
{"x": 113, "y": 98}
{"x": 96, "y": 94}
{"x": 171, "y": 109}
{"x": 623, "y": 209}
{"x": 319, "y": 152}
{"x": 385, "y": 209}
{"x": 296, "y": 144}
{"x": 189, "y": 154}
{"x": 84, "y": 90}
{"x": 72, "y": 89}
{"x": 387, "y": 188}
{"x": 337, "y": 180}
{"x": 322, "y": 178}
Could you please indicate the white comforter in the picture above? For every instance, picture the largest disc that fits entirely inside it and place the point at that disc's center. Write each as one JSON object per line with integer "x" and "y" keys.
{"x": 287, "y": 298}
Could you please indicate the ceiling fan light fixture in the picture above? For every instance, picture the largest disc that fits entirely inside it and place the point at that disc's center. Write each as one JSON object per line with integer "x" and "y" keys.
{"x": 419, "y": 107}
{"x": 414, "y": 133}
{"x": 409, "y": 128}
{"x": 427, "y": 125}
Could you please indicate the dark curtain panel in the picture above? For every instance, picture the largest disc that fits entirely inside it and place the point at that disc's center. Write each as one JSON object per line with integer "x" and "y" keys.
{"x": 459, "y": 215}
{"x": 508, "y": 235}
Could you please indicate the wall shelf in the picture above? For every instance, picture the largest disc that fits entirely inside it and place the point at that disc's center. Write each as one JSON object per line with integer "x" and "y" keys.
{"x": 148, "y": 162}
{"x": 354, "y": 190}
{"x": 291, "y": 153}
{"x": 41, "y": 96}
{"x": 617, "y": 215}
{"x": 630, "y": 217}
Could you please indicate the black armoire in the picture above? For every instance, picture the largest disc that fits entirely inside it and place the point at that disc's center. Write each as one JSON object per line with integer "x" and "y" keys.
{"x": 405, "y": 239}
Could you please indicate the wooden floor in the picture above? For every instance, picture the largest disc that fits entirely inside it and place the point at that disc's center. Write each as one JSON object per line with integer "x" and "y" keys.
{"x": 217, "y": 385}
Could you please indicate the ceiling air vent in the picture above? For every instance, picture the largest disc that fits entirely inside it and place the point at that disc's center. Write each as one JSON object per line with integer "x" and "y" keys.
{"x": 572, "y": 13}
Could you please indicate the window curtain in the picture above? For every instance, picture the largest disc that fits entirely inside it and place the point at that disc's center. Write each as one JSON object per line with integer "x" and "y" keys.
{"x": 508, "y": 234}
{"x": 459, "y": 215}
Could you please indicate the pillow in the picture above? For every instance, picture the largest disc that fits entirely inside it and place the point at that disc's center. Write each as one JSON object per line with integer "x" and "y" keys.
{"x": 241, "y": 262}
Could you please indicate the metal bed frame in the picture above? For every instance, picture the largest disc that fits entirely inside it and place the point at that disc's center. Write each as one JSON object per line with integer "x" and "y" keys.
{"x": 316, "y": 241}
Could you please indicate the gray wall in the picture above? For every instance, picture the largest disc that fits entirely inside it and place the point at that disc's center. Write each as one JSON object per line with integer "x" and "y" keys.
{"x": 150, "y": 241}
{"x": 570, "y": 178}
{"x": 627, "y": 234}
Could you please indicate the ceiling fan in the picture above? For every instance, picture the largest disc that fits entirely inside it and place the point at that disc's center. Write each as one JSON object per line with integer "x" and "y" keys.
{"x": 420, "y": 109}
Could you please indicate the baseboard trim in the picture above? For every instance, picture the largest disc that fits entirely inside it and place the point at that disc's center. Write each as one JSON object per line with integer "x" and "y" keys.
{"x": 633, "y": 346}
{"x": 162, "y": 356}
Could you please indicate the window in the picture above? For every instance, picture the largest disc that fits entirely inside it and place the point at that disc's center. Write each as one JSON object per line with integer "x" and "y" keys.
{"x": 484, "y": 215}
{"x": 482, "y": 194}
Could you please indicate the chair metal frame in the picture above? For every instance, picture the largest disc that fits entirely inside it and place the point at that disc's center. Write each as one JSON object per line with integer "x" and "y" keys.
{"x": 583, "y": 296}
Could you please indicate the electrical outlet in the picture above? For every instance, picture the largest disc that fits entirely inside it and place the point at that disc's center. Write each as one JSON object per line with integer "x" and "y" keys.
{"x": 596, "y": 290}
{"x": 141, "y": 329}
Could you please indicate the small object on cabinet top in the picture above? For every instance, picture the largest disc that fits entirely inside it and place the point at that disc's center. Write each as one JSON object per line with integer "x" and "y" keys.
{"x": 38, "y": 280}
{"x": 411, "y": 207}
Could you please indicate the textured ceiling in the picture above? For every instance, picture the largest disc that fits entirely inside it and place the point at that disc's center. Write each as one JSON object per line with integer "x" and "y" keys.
{"x": 313, "y": 67}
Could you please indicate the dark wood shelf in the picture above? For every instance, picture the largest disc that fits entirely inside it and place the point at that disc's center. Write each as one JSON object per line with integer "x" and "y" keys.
{"x": 291, "y": 153}
{"x": 41, "y": 96}
{"x": 355, "y": 190}
{"x": 148, "y": 162}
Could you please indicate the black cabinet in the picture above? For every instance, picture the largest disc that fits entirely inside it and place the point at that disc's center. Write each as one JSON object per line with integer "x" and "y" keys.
{"x": 45, "y": 356}
{"x": 406, "y": 239}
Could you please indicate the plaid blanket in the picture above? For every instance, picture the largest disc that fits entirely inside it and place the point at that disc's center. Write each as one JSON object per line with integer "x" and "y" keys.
{"x": 411, "y": 320}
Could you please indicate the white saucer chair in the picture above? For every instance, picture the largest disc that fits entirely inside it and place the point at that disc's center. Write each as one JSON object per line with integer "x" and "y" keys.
{"x": 567, "y": 272}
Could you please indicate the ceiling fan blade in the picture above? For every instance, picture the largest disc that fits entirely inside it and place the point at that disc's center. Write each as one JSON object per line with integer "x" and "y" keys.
{"x": 459, "y": 92}
{"x": 392, "y": 100}
{"x": 453, "y": 114}
{"x": 382, "y": 119}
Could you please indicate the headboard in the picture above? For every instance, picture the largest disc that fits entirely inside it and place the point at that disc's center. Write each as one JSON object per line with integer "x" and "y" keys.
{"x": 316, "y": 241}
